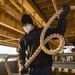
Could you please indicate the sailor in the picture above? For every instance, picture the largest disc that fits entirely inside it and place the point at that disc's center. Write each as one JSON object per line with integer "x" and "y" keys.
{"x": 42, "y": 64}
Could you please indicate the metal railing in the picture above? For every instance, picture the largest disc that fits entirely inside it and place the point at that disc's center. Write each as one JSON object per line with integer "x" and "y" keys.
{"x": 64, "y": 66}
{"x": 59, "y": 68}
{"x": 7, "y": 65}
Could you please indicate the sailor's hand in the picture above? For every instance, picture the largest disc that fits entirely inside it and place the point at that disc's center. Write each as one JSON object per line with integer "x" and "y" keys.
{"x": 23, "y": 70}
{"x": 66, "y": 9}
{"x": 19, "y": 74}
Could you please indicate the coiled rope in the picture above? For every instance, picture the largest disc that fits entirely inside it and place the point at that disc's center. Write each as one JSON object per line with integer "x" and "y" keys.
{"x": 44, "y": 41}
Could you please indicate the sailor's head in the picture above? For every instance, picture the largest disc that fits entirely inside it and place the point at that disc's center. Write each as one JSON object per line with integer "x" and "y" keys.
{"x": 26, "y": 22}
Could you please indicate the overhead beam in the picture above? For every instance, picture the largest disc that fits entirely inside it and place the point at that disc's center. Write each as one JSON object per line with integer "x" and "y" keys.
{"x": 1, "y": 2}
{"x": 40, "y": 1}
{"x": 70, "y": 35}
{"x": 17, "y": 44}
{"x": 19, "y": 8}
{"x": 45, "y": 5}
{"x": 8, "y": 23}
{"x": 10, "y": 40}
{"x": 54, "y": 42}
{"x": 9, "y": 43}
{"x": 8, "y": 34}
{"x": 5, "y": 25}
{"x": 55, "y": 5}
{"x": 10, "y": 37}
{"x": 74, "y": 11}
{"x": 13, "y": 2}
{"x": 70, "y": 28}
{"x": 11, "y": 11}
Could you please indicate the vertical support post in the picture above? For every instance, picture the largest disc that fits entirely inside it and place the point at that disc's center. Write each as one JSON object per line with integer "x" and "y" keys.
{"x": 33, "y": 14}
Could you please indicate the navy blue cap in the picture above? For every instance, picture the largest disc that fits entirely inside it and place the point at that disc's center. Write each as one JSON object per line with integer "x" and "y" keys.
{"x": 26, "y": 19}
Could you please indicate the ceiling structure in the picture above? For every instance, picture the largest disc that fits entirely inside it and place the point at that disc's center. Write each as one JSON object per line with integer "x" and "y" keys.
{"x": 40, "y": 10}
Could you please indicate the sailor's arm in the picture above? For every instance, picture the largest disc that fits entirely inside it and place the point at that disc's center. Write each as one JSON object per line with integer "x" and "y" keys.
{"x": 62, "y": 23}
{"x": 21, "y": 58}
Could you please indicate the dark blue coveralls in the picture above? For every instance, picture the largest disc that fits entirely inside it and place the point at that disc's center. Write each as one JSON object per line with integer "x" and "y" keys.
{"x": 42, "y": 64}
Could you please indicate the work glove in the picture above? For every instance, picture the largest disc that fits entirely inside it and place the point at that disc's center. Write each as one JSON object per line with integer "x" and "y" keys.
{"x": 66, "y": 9}
{"x": 22, "y": 69}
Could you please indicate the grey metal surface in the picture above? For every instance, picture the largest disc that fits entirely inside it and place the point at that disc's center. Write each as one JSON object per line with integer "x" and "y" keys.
{"x": 69, "y": 65}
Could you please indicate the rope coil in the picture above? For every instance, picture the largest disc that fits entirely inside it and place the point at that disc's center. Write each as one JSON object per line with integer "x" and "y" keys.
{"x": 44, "y": 41}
